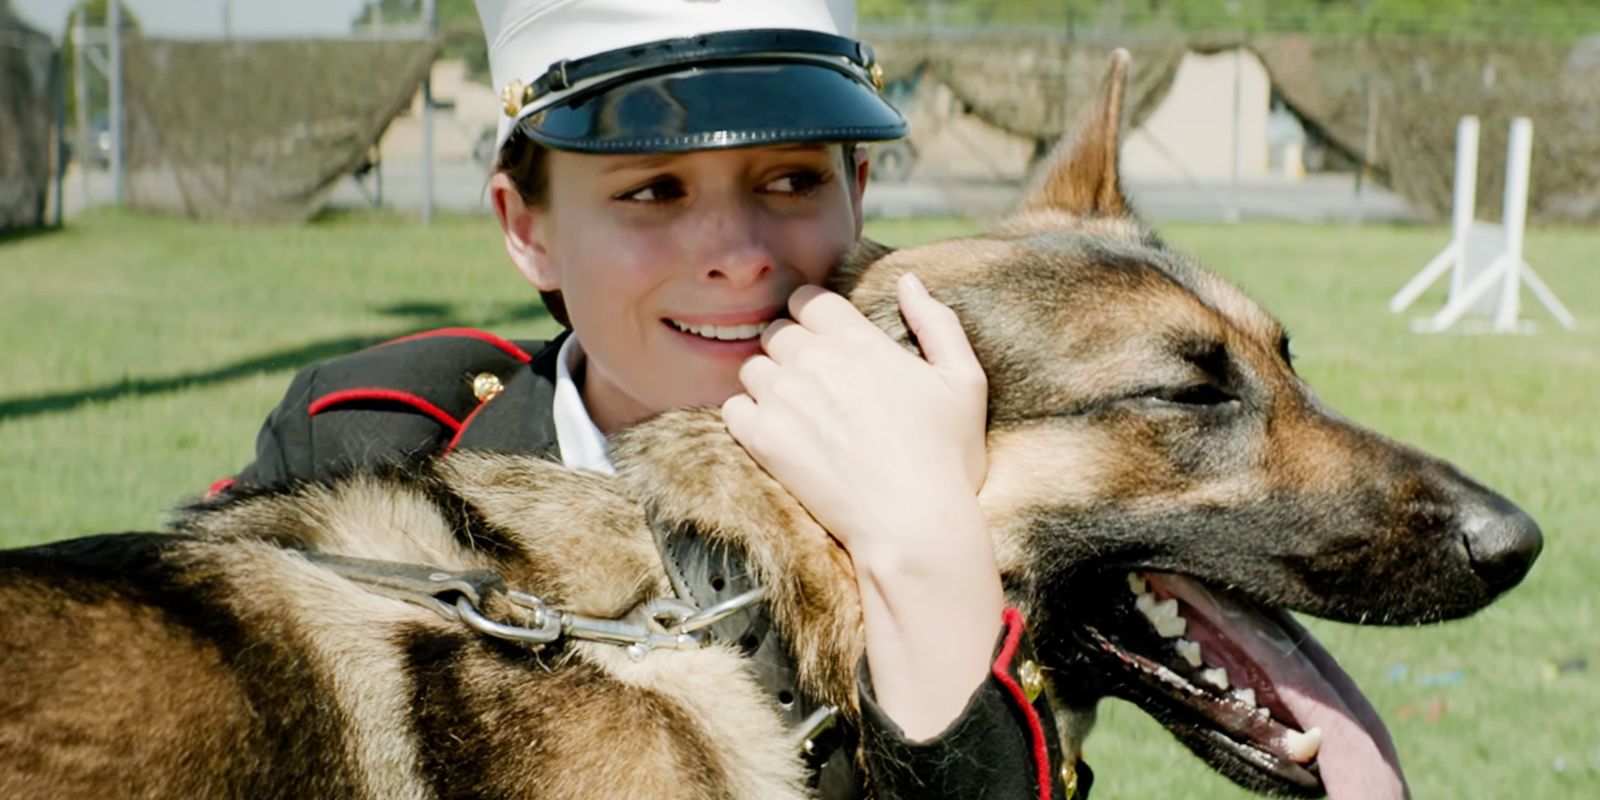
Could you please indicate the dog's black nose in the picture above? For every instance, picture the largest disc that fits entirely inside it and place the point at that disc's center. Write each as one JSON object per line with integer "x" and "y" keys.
{"x": 1503, "y": 542}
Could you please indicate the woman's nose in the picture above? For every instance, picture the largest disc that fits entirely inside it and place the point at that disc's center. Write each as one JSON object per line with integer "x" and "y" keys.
{"x": 734, "y": 252}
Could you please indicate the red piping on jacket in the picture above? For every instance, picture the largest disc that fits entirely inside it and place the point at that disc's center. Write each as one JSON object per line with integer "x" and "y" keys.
{"x": 456, "y": 439}
{"x": 469, "y": 333}
{"x": 1002, "y": 673}
{"x": 351, "y": 395}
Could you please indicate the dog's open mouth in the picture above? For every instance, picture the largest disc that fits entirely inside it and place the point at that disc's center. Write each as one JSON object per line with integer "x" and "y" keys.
{"x": 1246, "y": 687}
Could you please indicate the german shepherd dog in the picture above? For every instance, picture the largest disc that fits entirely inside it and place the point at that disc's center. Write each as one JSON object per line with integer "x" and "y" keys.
{"x": 1162, "y": 490}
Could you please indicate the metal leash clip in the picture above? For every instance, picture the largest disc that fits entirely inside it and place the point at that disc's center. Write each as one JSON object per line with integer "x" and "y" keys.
{"x": 658, "y": 623}
{"x": 662, "y": 622}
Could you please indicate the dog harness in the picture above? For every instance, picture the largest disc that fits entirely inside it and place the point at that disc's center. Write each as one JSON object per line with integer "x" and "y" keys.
{"x": 716, "y": 600}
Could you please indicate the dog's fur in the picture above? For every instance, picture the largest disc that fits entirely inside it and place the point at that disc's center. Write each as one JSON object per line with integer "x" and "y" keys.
{"x": 1143, "y": 416}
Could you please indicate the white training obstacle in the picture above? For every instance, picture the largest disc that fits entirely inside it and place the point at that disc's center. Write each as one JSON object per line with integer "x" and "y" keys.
{"x": 1484, "y": 260}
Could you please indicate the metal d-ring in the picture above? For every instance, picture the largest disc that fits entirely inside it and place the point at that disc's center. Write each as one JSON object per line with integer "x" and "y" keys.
{"x": 547, "y": 632}
{"x": 714, "y": 614}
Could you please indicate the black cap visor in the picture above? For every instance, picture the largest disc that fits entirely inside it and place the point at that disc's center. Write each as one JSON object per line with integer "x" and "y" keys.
{"x": 715, "y": 105}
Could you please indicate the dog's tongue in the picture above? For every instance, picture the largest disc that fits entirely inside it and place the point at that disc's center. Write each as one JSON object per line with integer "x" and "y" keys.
{"x": 1357, "y": 760}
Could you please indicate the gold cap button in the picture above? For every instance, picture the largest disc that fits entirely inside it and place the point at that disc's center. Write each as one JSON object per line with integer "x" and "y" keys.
{"x": 516, "y": 95}
{"x": 876, "y": 72}
{"x": 1032, "y": 680}
{"x": 1069, "y": 779}
{"x": 485, "y": 385}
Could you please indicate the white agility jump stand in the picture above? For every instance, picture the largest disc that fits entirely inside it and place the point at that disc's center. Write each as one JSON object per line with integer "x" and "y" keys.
{"x": 1484, "y": 260}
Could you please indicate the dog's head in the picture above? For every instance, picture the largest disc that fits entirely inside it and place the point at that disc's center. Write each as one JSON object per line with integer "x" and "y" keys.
{"x": 1163, "y": 486}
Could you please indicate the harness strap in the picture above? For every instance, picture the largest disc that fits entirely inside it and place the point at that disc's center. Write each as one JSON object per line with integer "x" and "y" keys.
{"x": 421, "y": 584}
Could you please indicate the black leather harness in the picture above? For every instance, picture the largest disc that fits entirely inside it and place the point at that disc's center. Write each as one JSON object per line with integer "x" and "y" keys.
{"x": 706, "y": 572}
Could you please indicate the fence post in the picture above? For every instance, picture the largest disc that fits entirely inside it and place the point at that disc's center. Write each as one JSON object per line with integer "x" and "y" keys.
{"x": 58, "y": 88}
{"x": 114, "y": 30}
{"x": 80, "y": 87}
{"x": 431, "y": 23}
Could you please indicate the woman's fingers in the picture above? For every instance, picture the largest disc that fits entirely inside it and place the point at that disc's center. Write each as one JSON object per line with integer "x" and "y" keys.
{"x": 757, "y": 375}
{"x": 938, "y": 330}
{"x": 823, "y": 311}
{"x": 783, "y": 338}
{"x": 739, "y": 413}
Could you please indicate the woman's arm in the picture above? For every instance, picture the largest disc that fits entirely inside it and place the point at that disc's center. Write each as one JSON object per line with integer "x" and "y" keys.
{"x": 886, "y": 450}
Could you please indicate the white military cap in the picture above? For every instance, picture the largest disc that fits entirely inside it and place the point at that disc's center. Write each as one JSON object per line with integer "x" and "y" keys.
{"x": 621, "y": 76}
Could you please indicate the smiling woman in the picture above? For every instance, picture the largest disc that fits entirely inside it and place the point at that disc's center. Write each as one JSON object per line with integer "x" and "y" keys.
{"x": 678, "y": 180}
{"x": 673, "y": 265}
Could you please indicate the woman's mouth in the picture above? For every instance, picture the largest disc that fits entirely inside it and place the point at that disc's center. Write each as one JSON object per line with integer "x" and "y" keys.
{"x": 722, "y": 333}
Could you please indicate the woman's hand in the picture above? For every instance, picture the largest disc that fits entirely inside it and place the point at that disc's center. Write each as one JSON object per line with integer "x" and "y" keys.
{"x": 886, "y": 450}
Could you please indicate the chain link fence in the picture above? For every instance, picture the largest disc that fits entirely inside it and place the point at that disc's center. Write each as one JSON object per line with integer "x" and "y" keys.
{"x": 1388, "y": 104}
{"x": 259, "y": 131}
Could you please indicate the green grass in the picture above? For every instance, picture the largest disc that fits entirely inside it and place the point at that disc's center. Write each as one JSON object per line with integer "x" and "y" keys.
{"x": 141, "y": 355}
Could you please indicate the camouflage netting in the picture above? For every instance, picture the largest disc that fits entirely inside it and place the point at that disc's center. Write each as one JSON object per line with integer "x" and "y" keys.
{"x": 1421, "y": 89}
{"x": 259, "y": 131}
{"x": 1034, "y": 85}
{"x": 27, "y": 122}
{"x": 1030, "y": 86}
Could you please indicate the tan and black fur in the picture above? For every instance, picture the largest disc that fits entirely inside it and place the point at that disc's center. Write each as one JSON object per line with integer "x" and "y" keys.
{"x": 1143, "y": 415}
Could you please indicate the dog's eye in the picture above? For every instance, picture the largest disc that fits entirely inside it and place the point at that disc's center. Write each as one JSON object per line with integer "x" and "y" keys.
{"x": 1199, "y": 394}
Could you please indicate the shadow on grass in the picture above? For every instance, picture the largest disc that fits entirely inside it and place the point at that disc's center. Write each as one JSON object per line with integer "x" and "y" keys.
{"x": 431, "y": 315}
{"x": 10, "y": 235}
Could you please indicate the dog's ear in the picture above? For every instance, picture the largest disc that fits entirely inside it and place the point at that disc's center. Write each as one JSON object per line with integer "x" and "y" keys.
{"x": 1081, "y": 176}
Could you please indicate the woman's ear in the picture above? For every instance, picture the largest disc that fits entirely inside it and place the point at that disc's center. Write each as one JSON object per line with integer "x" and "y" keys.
{"x": 526, "y": 234}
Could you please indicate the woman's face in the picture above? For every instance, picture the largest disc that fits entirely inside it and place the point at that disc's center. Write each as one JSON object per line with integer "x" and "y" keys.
{"x": 671, "y": 265}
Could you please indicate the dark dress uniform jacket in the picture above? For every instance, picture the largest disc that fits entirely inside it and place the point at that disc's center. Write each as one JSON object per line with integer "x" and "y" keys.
{"x": 463, "y": 388}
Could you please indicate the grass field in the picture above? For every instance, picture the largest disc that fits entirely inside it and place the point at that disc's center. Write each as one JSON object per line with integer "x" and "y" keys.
{"x": 141, "y": 354}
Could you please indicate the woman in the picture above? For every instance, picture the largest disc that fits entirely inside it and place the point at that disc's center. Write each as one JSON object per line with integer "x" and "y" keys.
{"x": 678, "y": 178}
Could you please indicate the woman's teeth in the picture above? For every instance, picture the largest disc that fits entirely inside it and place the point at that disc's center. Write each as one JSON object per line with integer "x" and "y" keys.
{"x": 726, "y": 333}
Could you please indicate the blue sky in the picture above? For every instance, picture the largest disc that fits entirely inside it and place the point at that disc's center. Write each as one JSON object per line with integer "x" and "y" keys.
{"x": 202, "y": 19}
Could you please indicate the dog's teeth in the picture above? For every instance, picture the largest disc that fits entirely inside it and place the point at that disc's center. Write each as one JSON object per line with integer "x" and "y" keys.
{"x": 1163, "y": 615}
{"x": 1216, "y": 676}
{"x": 1137, "y": 584}
{"x": 1171, "y": 628}
{"x": 1303, "y": 747}
{"x": 1190, "y": 652}
{"x": 1246, "y": 696}
{"x": 1164, "y": 610}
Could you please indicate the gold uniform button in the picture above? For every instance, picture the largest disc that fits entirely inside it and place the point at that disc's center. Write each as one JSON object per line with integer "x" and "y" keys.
{"x": 485, "y": 385}
{"x": 1032, "y": 679}
{"x": 1069, "y": 779}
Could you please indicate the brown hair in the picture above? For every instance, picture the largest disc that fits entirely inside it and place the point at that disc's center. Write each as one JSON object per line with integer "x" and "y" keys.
{"x": 523, "y": 161}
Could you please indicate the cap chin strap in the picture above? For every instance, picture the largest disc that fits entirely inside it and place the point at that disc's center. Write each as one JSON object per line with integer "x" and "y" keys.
{"x": 567, "y": 78}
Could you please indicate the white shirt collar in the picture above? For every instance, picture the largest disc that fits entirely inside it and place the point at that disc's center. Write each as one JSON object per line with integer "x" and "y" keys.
{"x": 582, "y": 444}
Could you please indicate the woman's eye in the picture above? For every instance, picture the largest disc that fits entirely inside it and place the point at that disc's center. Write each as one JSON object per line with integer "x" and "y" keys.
{"x": 661, "y": 191}
{"x": 796, "y": 183}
